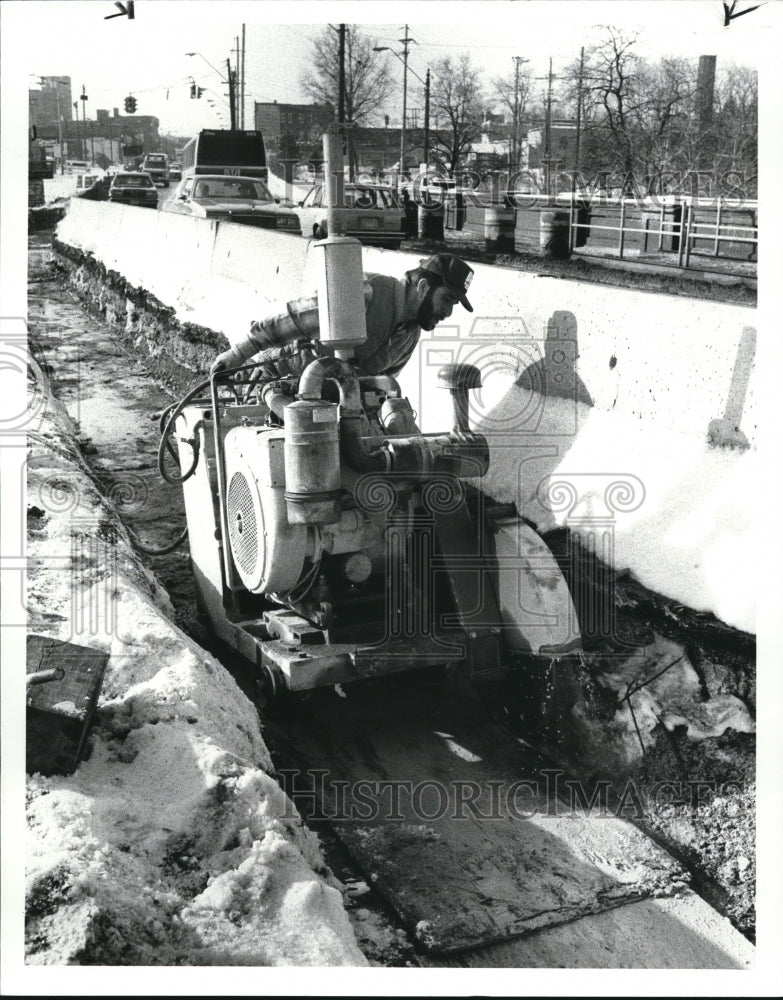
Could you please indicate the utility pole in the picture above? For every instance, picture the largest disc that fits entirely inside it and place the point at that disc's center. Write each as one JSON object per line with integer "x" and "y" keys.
{"x": 231, "y": 99}
{"x": 516, "y": 155}
{"x": 578, "y": 149}
{"x": 237, "y": 81}
{"x": 341, "y": 82}
{"x": 242, "y": 83}
{"x": 548, "y": 128}
{"x": 427, "y": 121}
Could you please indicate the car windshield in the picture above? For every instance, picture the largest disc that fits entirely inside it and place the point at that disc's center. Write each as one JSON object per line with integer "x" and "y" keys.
{"x": 356, "y": 197}
{"x": 133, "y": 181}
{"x": 231, "y": 187}
{"x": 156, "y": 159}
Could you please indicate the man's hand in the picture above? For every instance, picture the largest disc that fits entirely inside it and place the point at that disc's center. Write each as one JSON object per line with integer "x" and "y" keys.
{"x": 222, "y": 361}
{"x": 236, "y": 355}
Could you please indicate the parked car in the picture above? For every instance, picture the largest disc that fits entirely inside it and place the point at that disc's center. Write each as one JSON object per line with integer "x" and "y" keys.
{"x": 133, "y": 189}
{"x": 157, "y": 166}
{"x": 246, "y": 200}
{"x": 370, "y": 213}
{"x": 175, "y": 170}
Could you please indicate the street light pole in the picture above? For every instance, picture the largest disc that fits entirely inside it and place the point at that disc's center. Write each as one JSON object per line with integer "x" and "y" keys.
{"x": 427, "y": 122}
{"x": 229, "y": 81}
{"x": 405, "y": 42}
{"x": 59, "y": 126}
{"x": 83, "y": 99}
{"x": 404, "y": 61}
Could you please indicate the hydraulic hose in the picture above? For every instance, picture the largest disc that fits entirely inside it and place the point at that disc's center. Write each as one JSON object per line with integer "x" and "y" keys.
{"x": 168, "y": 420}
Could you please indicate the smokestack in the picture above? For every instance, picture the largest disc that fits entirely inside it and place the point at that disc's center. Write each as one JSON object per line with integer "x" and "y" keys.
{"x": 705, "y": 89}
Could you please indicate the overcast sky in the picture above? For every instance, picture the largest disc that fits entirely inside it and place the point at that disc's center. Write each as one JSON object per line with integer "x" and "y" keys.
{"x": 146, "y": 56}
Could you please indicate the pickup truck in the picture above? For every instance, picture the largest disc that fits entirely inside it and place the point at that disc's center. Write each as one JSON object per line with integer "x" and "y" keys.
{"x": 157, "y": 166}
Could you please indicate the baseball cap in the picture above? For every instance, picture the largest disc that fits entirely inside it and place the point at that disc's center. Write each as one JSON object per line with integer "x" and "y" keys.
{"x": 455, "y": 273}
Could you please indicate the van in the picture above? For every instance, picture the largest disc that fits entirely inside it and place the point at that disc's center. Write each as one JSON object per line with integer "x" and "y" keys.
{"x": 157, "y": 166}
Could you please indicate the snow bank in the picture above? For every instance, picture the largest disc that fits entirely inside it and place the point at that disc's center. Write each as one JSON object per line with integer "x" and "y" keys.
{"x": 172, "y": 844}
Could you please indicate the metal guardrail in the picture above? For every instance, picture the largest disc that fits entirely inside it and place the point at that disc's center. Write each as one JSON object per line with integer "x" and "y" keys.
{"x": 677, "y": 222}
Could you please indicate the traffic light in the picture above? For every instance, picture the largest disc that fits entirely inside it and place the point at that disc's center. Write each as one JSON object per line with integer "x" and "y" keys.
{"x": 195, "y": 92}
{"x": 130, "y": 105}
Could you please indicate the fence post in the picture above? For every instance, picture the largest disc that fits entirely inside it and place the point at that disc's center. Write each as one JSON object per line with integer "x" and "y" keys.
{"x": 622, "y": 227}
{"x": 717, "y": 228}
{"x": 683, "y": 230}
{"x": 660, "y": 229}
{"x": 571, "y": 219}
{"x": 688, "y": 236}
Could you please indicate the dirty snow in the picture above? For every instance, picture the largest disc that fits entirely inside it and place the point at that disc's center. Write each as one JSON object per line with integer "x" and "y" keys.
{"x": 172, "y": 844}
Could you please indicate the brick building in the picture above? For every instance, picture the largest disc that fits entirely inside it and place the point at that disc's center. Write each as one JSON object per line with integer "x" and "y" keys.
{"x": 101, "y": 139}
{"x": 562, "y": 144}
{"x": 292, "y": 130}
{"x": 52, "y": 102}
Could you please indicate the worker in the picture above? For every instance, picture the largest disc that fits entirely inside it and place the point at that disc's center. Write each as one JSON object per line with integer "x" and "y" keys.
{"x": 397, "y": 310}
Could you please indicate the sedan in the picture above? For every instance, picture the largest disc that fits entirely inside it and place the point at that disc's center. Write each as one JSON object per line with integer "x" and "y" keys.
{"x": 175, "y": 170}
{"x": 246, "y": 200}
{"x": 133, "y": 189}
{"x": 370, "y": 213}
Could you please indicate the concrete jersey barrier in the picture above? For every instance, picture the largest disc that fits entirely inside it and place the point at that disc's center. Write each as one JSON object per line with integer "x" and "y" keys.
{"x": 608, "y": 411}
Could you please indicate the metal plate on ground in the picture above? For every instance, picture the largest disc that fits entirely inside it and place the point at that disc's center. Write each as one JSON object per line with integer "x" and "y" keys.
{"x": 469, "y": 836}
{"x": 60, "y": 710}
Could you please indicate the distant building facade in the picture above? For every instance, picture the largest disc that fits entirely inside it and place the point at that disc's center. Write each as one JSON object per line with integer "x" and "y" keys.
{"x": 291, "y": 130}
{"x": 104, "y": 139}
{"x": 52, "y": 102}
{"x": 562, "y": 144}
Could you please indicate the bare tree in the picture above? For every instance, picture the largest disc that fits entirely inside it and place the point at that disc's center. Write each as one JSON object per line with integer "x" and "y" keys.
{"x": 368, "y": 83}
{"x": 513, "y": 93}
{"x": 456, "y": 99}
{"x": 667, "y": 136}
{"x": 613, "y": 84}
{"x": 735, "y": 127}
{"x": 637, "y": 115}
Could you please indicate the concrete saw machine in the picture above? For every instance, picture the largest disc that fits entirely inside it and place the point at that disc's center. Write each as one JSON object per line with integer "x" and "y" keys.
{"x": 332, "y": 541}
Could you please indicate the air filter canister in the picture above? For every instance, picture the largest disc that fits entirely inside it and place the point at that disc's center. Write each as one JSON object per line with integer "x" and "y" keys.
{"x": 340, "y": 292}
{"x": 312, "y": 462}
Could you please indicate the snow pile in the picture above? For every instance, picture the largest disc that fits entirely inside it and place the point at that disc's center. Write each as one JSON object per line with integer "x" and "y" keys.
{"x": 59, "y": 186}
{"x": 171, "y": 844}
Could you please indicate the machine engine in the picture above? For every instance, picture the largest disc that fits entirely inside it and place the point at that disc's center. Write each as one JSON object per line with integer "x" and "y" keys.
{"x": 331, "y": 540}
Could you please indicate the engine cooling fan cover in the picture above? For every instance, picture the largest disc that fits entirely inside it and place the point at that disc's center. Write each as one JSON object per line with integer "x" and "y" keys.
{"x": 268, "y": 552}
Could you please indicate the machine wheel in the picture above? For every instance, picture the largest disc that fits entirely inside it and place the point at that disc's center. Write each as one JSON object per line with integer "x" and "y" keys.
{"x": 270, "y": 689}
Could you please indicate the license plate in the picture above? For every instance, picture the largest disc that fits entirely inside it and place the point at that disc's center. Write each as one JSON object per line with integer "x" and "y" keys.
{"x": 369, "y": 223}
